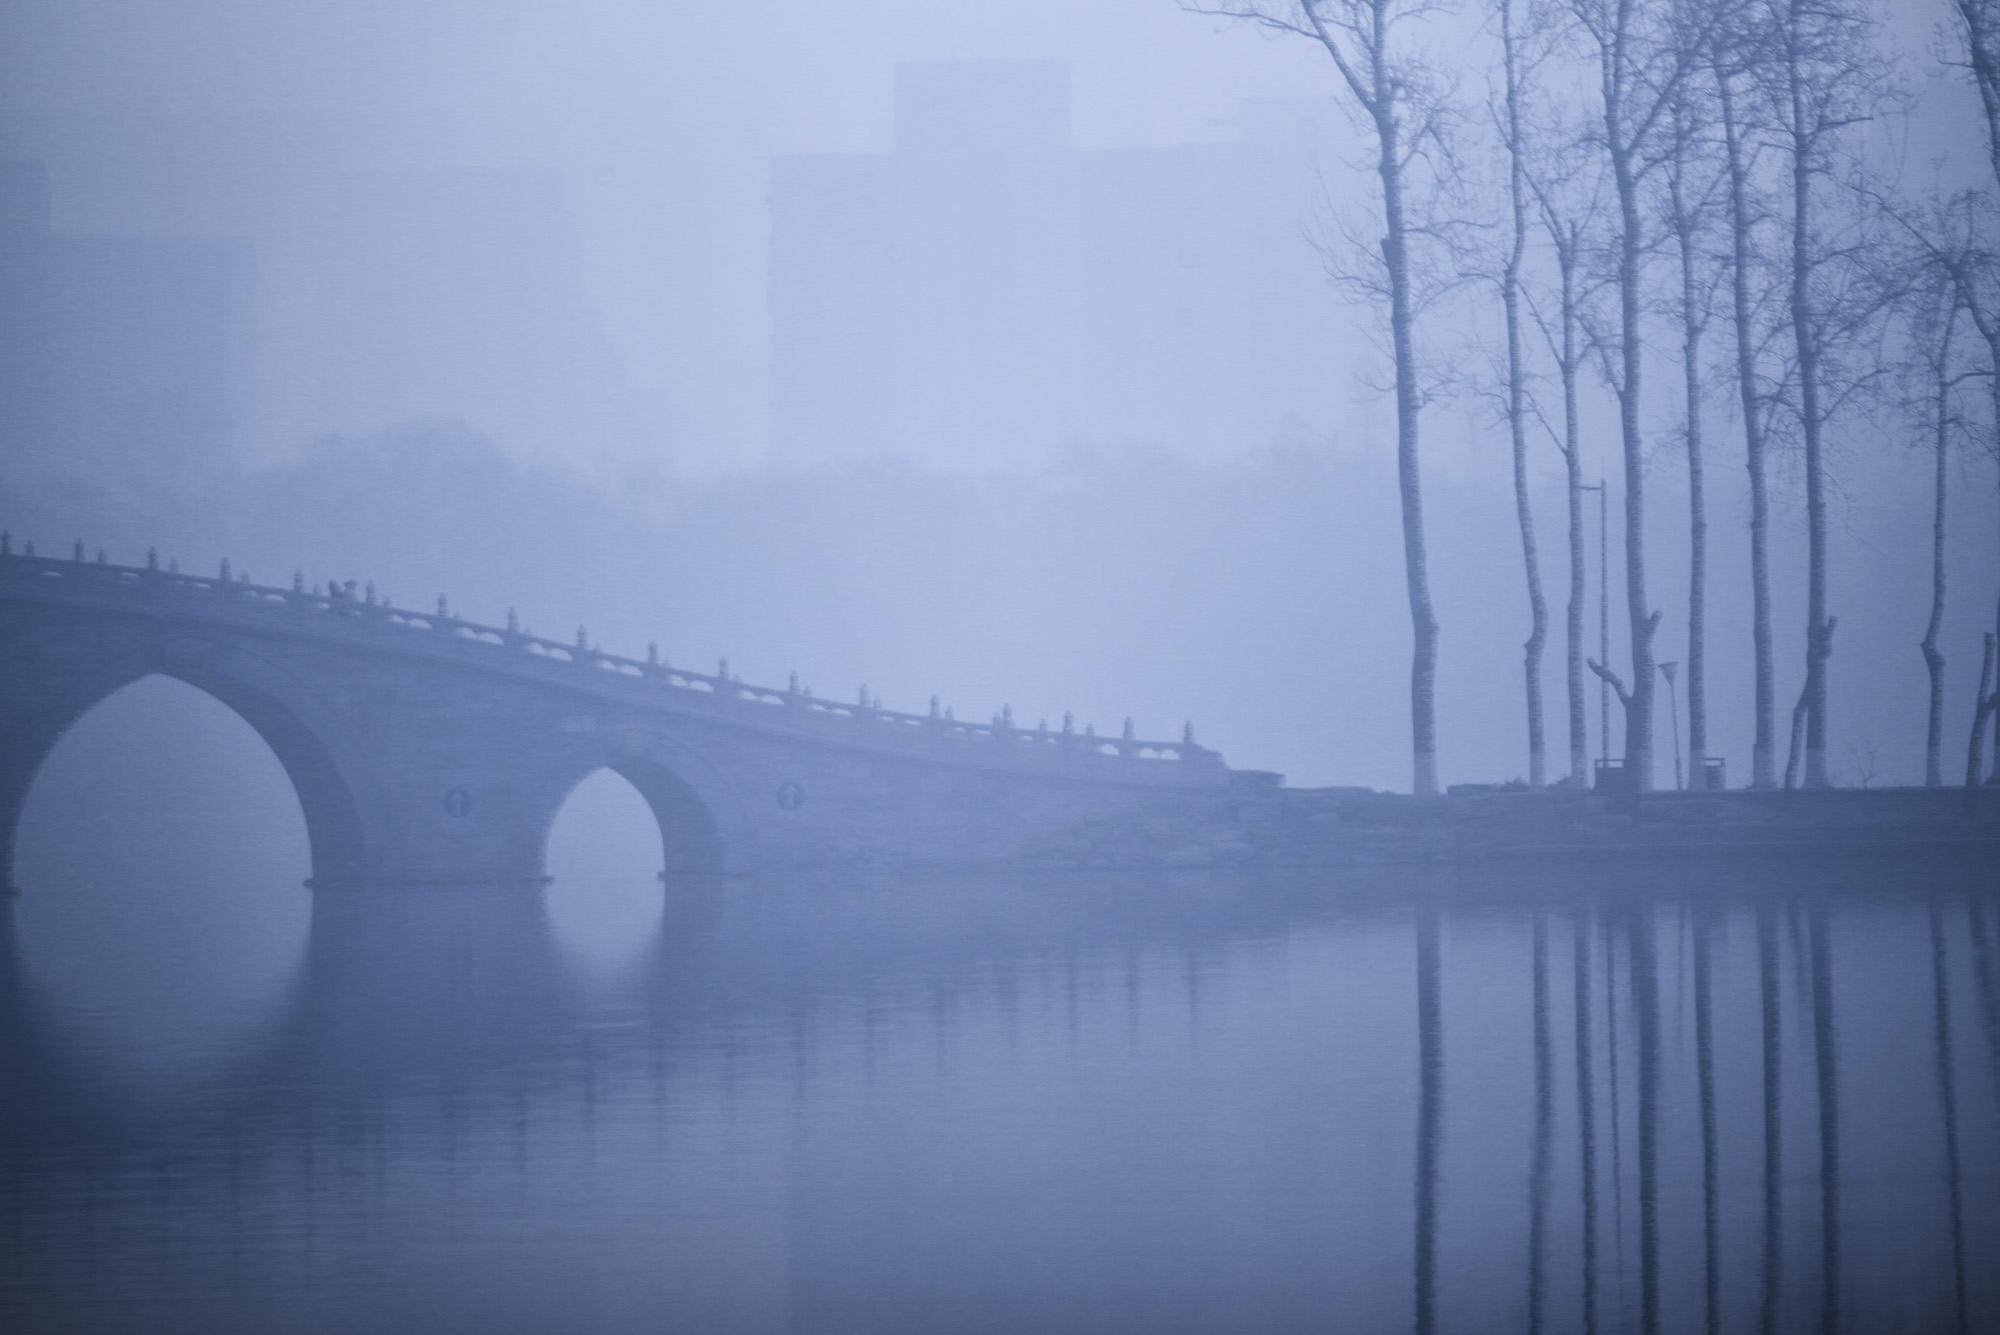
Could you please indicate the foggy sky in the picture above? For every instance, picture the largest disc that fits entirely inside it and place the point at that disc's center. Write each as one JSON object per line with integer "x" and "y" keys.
{"x": 661, "y": 121}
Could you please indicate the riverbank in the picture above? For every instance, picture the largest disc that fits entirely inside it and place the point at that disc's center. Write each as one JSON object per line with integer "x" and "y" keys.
{"x": 1344, "y": 827}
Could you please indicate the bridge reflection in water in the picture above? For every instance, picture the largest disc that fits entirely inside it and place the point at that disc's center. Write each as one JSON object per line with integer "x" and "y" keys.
{"x": 1076, "y": 1103}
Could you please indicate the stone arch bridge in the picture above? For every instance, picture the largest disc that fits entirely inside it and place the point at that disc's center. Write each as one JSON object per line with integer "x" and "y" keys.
{"x": 425, "y": 748}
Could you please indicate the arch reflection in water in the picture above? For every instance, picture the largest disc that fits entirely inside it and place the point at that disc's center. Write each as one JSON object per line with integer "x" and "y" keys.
{"x": 1116, "y": 1104}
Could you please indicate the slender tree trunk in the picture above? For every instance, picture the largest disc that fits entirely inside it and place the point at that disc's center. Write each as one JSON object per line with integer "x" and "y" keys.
{"x": 1517, "y": 390}
{"x": 1763, "y": 750}
{"x": 1423, "y": 621}
{"x": 1933, "y": 657}
{"x": 1639, "y": 700}
{"x": 1573, "y": 655}
{"x": 1983, "y": 708}
{"x": 1805, "y": 334}
{"x": 1691, "y": 331}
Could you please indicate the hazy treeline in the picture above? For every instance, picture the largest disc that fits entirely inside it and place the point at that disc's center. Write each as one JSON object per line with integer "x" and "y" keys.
{"x": 1719, "y": 215}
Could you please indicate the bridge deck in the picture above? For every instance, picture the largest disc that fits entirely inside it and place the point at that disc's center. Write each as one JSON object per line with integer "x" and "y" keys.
{"x": 366, "y": 624}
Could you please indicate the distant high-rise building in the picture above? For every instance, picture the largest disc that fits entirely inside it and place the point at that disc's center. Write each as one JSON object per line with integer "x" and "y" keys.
{"x": 453, "y": 294}
{"x": 133, "y": 352}
{"x": 985, "y": 293}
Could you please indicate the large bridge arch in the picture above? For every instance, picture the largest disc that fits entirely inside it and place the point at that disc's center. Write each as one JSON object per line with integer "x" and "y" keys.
{"x": 39, "y": 709}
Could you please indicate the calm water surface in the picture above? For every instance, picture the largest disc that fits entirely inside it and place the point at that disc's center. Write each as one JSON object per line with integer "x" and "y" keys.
{"x": 1561, "y": 1100}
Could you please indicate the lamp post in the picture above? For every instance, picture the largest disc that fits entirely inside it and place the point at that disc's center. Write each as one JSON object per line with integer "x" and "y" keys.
{"x": 1671, "y": 670}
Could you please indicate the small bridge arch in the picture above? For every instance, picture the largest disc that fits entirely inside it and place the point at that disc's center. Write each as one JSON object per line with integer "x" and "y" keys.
{"x": 691, "y": 841}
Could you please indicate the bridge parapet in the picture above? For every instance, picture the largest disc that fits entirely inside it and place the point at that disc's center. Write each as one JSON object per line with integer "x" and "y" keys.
{"x": 336, "y": 613}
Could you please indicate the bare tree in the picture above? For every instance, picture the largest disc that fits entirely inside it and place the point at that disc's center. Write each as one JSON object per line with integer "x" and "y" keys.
{"x": 1823, "y": 77}
{"x": 1933, "y": 310}
{"x": 1729, "y": 56}
{"x": 1362, "y": 39}
{"x": 1978, "y": 24}
{"x": 1643, "y": 53}
{"x": 1569, "y": 216}
{"x": 1689, "y": 185}
{"x": 1513, "y": 134}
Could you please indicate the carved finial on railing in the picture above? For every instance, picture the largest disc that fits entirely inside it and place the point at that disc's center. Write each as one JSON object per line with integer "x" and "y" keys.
{"x": 152, "y": 558}
{"x": 934, "y": 706}
{"x": 1187, "y": 734}
{"x": 513, "y": 622}
{"x": 225, "y": 570}
{"x": 1128, "y": 734}
{"x": 1069, "y": 724}
{"x": 76, "y": 552}
{"x": 298, "y": 581}
{"x": 101, "y": 560}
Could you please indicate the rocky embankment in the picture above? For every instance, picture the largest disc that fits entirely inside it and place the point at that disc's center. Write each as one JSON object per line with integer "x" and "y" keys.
{"x": 1351, "y": 827}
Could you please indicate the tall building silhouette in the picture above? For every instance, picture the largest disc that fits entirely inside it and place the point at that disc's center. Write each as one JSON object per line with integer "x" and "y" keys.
{"x": 985, "y": 292}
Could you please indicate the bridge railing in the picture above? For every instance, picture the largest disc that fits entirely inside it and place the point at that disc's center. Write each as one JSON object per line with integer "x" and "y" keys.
{"x": 791, "y": 707}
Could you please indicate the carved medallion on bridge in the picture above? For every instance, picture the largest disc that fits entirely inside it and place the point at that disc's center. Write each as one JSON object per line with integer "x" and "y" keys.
{"x": 791, "y": 796}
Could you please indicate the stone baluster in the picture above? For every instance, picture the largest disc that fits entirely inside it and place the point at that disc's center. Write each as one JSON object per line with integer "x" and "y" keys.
{"x": 298, "y": 581}
{"x": 444, "y": 608}
{"x": 934, "y": 707}
{"x": 225, "y": 570}
{"x": 153, "y": 558}
{"x": 76, "y": 552}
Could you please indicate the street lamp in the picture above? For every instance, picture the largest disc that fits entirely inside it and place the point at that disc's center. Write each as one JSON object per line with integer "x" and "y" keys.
{"x": 1671, "y": 670}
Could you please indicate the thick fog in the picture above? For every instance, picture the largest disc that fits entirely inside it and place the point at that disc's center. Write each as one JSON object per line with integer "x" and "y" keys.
{"x": 984, "y": 351}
